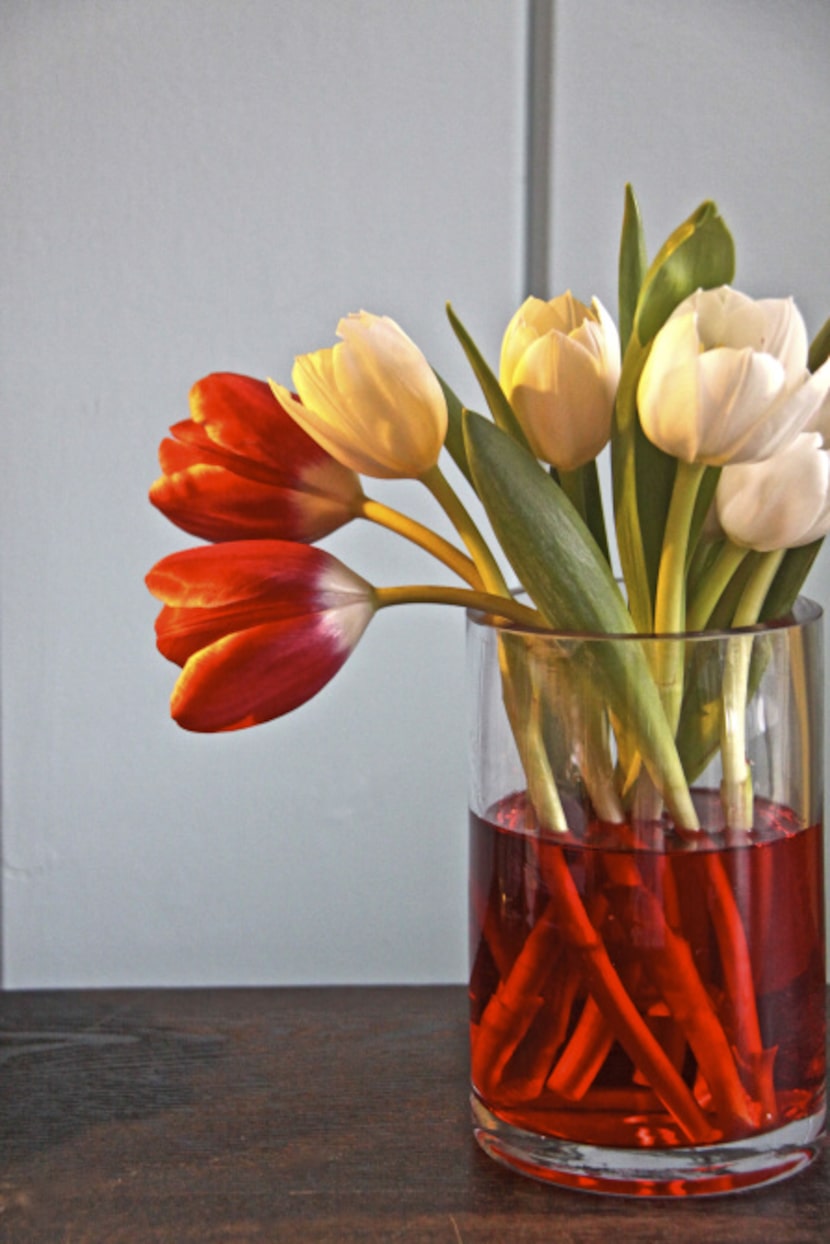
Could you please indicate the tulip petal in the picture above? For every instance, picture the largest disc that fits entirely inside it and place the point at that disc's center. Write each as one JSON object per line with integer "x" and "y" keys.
{"x": 785, "y": 336}
{"x": 332, "y": 422}
{"x": 214, "y": 504}
{"x": 256, "y": 675}
{"x": 738, "y": 394}
{"x": 252, "y": 570}
{"x": 819, "y": 384}
{"x": 726, "y": 317}
{"x": 609, "y": 341}
{"x": 521, "y": 331}
{"x": 560, "y": 367}
{"x": 562, "y": 401}
{"x": 372, "y": 401}
{"x": 781, "y": 502}
{"x": 726, "y": 380}
{"x": 668, "y": 393}
{"x": 258, "y": 626}
{"x": 242, "y": 415}
{"x": 243, "y": 467}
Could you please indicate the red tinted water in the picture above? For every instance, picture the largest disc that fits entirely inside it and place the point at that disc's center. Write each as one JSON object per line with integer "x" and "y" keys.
{"x": 640, "y": 994}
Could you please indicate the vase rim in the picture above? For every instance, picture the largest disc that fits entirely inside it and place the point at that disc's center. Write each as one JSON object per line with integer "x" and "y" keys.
{"x": 805, "y": 612}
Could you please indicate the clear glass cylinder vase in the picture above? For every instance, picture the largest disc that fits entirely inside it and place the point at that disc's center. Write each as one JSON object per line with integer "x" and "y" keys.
{"x": 647, "y": 997}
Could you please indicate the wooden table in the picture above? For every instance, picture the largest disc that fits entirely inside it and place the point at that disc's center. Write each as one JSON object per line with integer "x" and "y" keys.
{"x": 130, "y": 1117}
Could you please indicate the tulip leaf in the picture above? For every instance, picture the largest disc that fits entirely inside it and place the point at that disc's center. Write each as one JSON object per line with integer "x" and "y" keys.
{"x": 583, "y": 488}
{"x": 454, "y": 441}
{"x": 820, "y": 347}
{"x": 788, "y": 581}
{"x": 632, "y": 265}
{"x": 699, "y": 254}
{"x": 544, "y": 538}
{"x": 566, "y": 575}
{"x": 496, "y": 399}
{"x": 643, "y": 478}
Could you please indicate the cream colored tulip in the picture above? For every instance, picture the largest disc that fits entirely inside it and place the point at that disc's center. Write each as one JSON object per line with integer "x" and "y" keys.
{"x": 372, "y": 401}
{"x": 560, "y": 366}
{"x": 726, "y": 379}
{"x": 780, "y": 503}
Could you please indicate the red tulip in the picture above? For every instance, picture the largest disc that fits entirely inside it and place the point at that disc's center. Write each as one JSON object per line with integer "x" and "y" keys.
{"x": 241, "y": 468}
{"x": 259, "y": 627}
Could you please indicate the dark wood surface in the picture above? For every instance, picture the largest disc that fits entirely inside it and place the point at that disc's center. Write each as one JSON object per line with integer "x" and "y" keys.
{"x": 130, "y": 1117}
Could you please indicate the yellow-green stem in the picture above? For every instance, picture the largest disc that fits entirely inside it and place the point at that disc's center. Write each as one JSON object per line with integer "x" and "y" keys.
{"x": 435, "y": 594}
{"x": 755, "y": 593}
{"x": 487, "y": 566}
{"x": 713, "y": 585}
{"x": 424, "y": 537}
{"x": 541, "y": 782}
{"x": 736, "y": 785}
{"x": 670, "y": 597}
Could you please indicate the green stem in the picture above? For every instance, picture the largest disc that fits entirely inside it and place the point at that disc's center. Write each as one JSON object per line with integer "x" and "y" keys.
{"x": 755, "y": 592}
{"x": 424, "y": 537}
{"x": 435, "y": 594}
{"x": 736, "y": 785}
{"x": 542, "y": 786}
{"x": 670, "y": 598}
{"x": 713, "y": 585}
{"x": 451, "y": 504}
{"x": 541, "y": 782}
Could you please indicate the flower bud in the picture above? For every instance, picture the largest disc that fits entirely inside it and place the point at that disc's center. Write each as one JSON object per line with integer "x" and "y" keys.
{"x": 372, "y": 401}
{"x": 727, "y": 381}
{"x": 780, "y": 503}
{"x": 240, "y": 467}
{"x": 258, "y": 627}
{"x": 560, "y": 366}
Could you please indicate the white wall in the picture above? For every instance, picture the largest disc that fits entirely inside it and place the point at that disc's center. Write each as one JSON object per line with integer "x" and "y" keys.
{"x": 210, "y": 185}
{"x": 191, "y": 187}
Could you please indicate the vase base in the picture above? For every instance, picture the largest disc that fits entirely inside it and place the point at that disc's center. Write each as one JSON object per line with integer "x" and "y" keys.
{"x": 708, "y": 1170}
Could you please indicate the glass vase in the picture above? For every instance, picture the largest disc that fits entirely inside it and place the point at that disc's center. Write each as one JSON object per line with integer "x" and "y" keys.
{"x": 647, "y": 996}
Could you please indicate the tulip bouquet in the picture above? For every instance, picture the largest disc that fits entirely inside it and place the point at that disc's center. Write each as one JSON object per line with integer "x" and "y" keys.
{"x": 719, "y": 422}
{"x": 718, "y": 417}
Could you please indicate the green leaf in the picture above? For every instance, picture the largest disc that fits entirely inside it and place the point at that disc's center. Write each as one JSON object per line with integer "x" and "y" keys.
{"x": 789, "y": 580}
{"x": 632, "y": 265}
{"x": 454, "y": 441}
{"x": 547, "y": 543}
{"x": 583, "y": 488}
{"x": 724, "y": 611}
{"x": 494, "y": 395}
{"x": 563, "y": 570}
{"x": 700, "y": 254}
{"x": 643, "y": 478}
{"x": 820, "y": 348}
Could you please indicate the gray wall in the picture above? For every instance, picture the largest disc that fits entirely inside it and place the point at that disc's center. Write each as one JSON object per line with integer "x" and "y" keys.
{"x": 209, "y": 185}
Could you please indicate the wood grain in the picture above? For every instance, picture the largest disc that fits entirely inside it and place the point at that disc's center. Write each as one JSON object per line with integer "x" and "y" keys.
{"x": 133, "y": 1117}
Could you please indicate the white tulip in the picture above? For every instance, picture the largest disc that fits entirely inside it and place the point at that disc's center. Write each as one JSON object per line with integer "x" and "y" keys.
{"x": 726, "y": 379}
{"x": 780, "y": 503}
{"x": 372, "y": 401}
{"x": 560, "y": 366}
